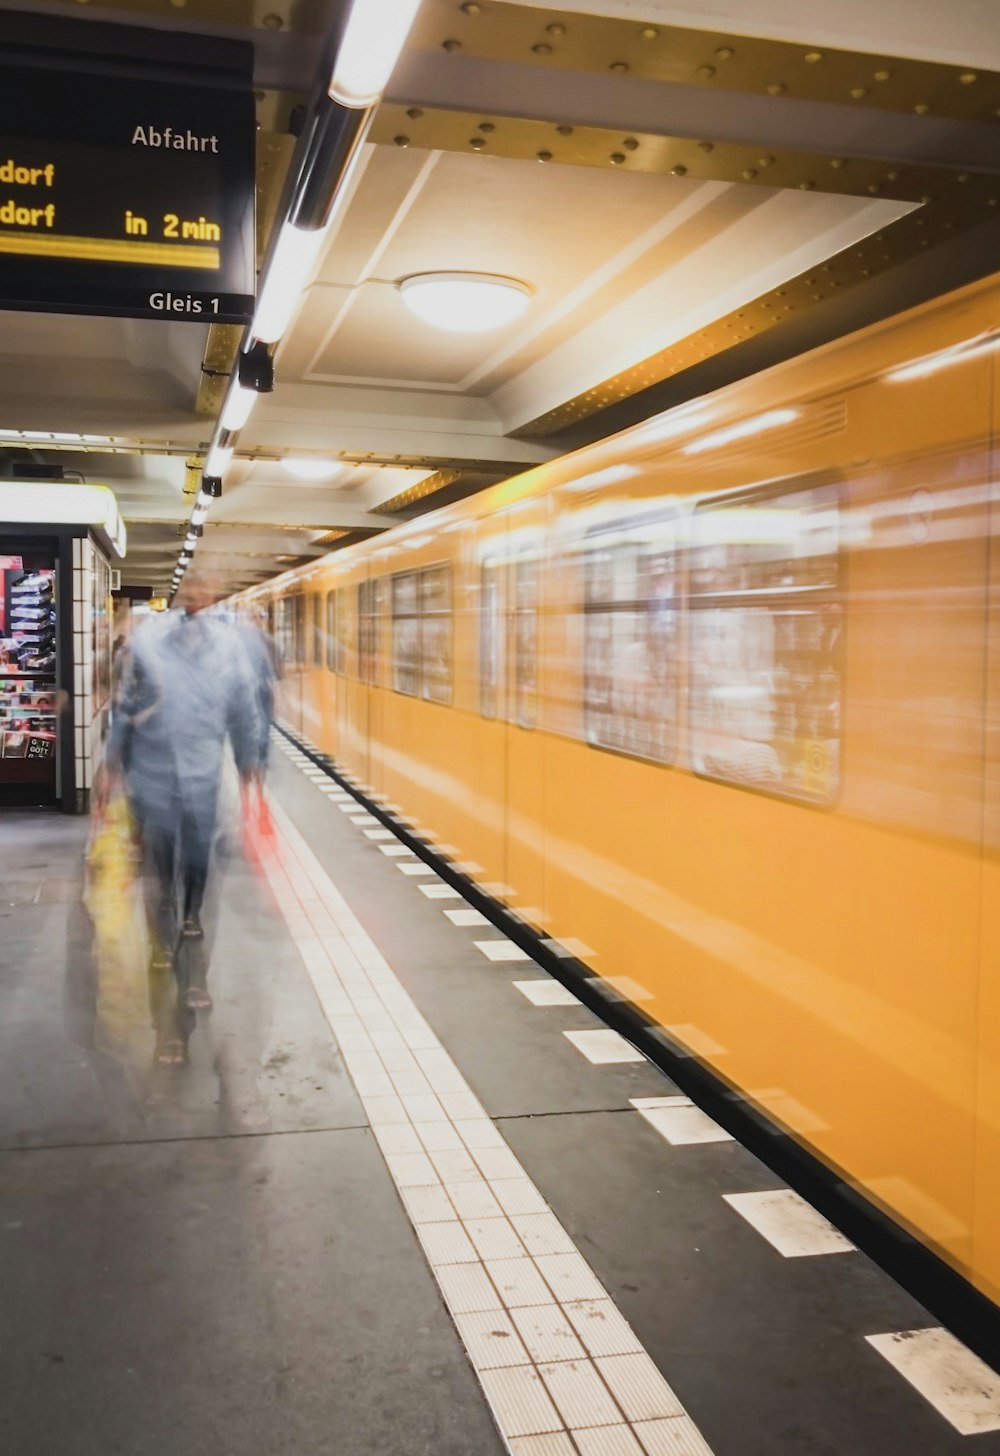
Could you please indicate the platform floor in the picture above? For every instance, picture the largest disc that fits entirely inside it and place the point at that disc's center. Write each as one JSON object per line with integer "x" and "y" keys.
{"x": 391, "y": 1205}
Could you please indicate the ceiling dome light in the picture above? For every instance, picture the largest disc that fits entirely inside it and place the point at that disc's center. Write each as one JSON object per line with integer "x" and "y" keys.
{"x": 305, "y": 468}
{"x": 465, "y": 303}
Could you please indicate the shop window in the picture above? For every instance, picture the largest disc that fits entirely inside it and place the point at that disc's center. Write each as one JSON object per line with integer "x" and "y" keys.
{"x": 490, "y": 639}
{"x": 631, "y": 629}
{"x": 765, "y": 643}
{"x": 28, "y": 720}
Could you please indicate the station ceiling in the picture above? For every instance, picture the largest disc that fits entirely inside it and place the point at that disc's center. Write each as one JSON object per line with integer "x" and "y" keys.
{"x": 690, "y": 193}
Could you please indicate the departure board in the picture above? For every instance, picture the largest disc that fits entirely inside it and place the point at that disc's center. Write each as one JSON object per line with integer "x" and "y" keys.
{"x": 126, "y": 194}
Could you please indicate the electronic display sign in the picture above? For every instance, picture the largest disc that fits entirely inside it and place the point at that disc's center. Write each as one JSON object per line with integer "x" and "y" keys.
{"x": 126, "y": 194}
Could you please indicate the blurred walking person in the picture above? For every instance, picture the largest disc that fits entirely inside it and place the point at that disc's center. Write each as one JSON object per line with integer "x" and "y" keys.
{"x": 187, "y": 689}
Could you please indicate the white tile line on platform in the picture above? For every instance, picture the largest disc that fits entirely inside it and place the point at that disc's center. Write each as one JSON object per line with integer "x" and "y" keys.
{"x": 546, "y": 993}
{"x": 466, "y": 917}
{"x": 789, "y": 1223}
{"x": 501, "y": 950}
{"x": 960, "y": 1387}
{"x": 679, "y": 1121}
{"x": 452, "y": 1168}
{"x": 602, "y": 1047}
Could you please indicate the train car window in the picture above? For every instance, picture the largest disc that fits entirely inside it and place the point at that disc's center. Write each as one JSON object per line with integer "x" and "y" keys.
{"x": 317, "y": 630}
{"x": 299, "y": 629}
{"x": 369, "y": 599}
{"x": 765, "y": 643}
{"x": 490, "y": 640}
{"x": 283, "y": 629}
{"x": 526, "y": 641}
{"x": 331, "y": 630}
{"x": 405, "y": 634}
{"x": 380, "y": 596}
{"x": 435, "y": 634}
{"x": 631, "y": 637}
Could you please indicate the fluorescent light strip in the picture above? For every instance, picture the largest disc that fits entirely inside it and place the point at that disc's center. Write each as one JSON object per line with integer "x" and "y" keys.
{"x": 373, "y": 39}
{"x": 238, "y": 407}
{"x": 286, "y": 277}
{"x": 769, "y": 421}
{"x": 219, "y": 459}
{"x": 921, "y": 368}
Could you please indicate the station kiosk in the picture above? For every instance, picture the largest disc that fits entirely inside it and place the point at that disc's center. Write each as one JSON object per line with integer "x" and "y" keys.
{"x": 59, "y": 547}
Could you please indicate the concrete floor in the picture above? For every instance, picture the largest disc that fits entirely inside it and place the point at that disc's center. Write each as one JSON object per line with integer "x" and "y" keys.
{"x": 214, "y": 1258}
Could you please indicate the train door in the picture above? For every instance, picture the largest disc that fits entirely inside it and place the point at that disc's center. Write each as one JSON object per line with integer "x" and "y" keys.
{"x": 525, "y": 745}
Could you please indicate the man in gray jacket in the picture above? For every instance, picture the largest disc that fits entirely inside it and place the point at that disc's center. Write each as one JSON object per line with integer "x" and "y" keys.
{"x": 187, "y": 688}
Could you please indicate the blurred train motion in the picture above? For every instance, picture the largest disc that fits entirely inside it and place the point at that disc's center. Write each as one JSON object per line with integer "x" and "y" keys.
{"x": 715, "y": 705}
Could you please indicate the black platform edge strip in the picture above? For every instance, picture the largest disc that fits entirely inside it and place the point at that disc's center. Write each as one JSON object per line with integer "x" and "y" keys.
{"x": 961, "y": 1308}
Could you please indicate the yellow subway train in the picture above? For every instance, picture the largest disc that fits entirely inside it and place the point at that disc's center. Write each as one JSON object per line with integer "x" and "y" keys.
{"x": 715, "y": 705}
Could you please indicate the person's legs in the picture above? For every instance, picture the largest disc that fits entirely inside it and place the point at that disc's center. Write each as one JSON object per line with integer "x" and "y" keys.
{"x": 196, "y": 848}
{"x": 159, "y": 877}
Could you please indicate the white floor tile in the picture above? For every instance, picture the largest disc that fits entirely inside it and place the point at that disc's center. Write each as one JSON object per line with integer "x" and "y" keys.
{"x": 455, "y": 1166}
{"x": 603, "y": 1328}
{"x": 379, "y": 834}
{"x": 518, "y": 1195}
{"x": 570, "y": 1277}
{"x": 501, "y": 950}
{"x": 446, "y": 1243}
{"x": 439, "y": 892}
{"x": 491, "y": 1339}
{"x": 541, "y": 1233}
{"x": 479, "y": 1132}
{"x": 474, "y": 1200}
{"x": 789, "y": 1223}
{"x": 602, "y": 1047}
{"x": 519, "y": 1282}
{"x": 557, "y": 1444}
{"x": 398, "y": 1137}
{"x": 607, "y": 1441}
{"x": 678, "y": 1436}
{"x": 494, "y": 1238}
{"x": 415, "y": 869}
{"x": 424, "y": 1107}
{"x": 395, "y": 851}
{"x": 466, "y": 1288}
{"x": 438, "y": 1137}
{"x": 520, "y": 1401}
{"x": 547, "y": 1333}
{"x": 498, "y": 1163}
{"x": 546, "y": 993}
{"x": 681, "y": 1123}
{"x": 639, "y": 1388}
{"x": 462, "y": 1105}
{"x": 383, "y": 1110}
{"x": 411, "y": 1170}
{"x": 428, "y": 1204}
{"x": 466, "y": 917}
{"x": 580, "y": 1395}
{"x": 363, "y": 819}
{"x": 956, "y": 1382}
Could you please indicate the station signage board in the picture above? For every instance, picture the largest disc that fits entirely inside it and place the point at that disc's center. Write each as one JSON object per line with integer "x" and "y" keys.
{"x": 126, "y": 189}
